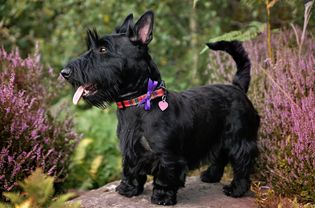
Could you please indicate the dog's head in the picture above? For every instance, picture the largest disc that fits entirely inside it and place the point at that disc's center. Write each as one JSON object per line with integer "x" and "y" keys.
{"x": 115, "y": 66}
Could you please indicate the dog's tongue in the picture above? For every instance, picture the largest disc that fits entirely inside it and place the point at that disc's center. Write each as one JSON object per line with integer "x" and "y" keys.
{"x": 78, "y": 95}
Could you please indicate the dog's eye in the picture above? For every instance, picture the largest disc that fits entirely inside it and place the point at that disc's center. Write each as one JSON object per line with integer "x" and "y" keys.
{"x": 103, "y": 50}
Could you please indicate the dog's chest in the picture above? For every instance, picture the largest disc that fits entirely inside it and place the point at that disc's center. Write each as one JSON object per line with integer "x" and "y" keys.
{"x": 145, "y": 144}
{"x": 137, "y": 149}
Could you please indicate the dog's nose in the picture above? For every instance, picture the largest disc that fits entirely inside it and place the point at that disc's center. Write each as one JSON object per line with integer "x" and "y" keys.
{"x": 66, "y": 72}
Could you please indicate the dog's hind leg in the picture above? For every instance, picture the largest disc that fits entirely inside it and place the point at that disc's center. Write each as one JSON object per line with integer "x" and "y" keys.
{"x": 215, "y": 171}
{"x": 242, "y": 157}
{"x": 169, "y": 177}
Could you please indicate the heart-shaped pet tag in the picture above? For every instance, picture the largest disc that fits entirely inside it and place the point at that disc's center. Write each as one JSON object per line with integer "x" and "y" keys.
{"x": 163, "y": 105}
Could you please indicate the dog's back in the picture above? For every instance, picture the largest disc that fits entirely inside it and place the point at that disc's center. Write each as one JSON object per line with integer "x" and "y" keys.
{"x": 218, "y": 116}
{"x": 224, "y": 124}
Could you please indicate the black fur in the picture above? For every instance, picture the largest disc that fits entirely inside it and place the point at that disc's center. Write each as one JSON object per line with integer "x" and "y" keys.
{"x": 236, "y": 50}
{"x": 214, "y": 124}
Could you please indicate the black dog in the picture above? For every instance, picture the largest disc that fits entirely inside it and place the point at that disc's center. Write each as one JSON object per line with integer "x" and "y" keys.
{"x": 164, "y": 133}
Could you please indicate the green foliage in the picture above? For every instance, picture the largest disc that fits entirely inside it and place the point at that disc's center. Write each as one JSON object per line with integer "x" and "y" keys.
{"x": 254, "y": 29}
{"x": 32, "y": 187}
{"x": 96, "y": 160}
{"x": 59, "y": 27}
{"x": 38, "y": 192}
{"x": 251, "y": 32}
{"x": 266, "y": 197}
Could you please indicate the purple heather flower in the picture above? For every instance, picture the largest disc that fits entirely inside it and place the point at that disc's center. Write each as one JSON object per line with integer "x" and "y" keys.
{"x": 26, "y": 132}
{"x": 286, "y": 102}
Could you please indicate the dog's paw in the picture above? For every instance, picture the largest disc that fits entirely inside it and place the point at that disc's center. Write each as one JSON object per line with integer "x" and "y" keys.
{"x": 128, "y": 190}
{"x": 236, "y": 189}
{"x": 162, "y": 197}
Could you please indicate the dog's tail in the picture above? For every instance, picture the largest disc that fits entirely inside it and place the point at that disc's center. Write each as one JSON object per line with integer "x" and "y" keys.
{"x": 238, "y": 53}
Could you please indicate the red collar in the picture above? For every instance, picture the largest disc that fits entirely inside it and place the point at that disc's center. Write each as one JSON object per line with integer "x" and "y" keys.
{"x": 127, "y": 103}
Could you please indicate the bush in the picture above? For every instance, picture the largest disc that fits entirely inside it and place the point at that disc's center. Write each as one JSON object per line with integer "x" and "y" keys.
{"x": 267, "y": 198}
{"x": 96, "y": 160}
{"x": 29, "y": 136}
{"x": 288, "y": 124}
{"x": 284, "y": 94}
{"x": 38, "y": 192}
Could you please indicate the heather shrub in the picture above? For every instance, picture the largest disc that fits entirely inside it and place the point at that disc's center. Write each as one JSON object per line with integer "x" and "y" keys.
{"x": 288, "y": 124}
{"x": 29, "y": 136}
{"x": 283, "y": 92}
{"x": 267, "y": 198}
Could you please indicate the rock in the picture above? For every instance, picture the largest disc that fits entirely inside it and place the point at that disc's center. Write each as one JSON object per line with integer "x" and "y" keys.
{"x": 196, "y": 194}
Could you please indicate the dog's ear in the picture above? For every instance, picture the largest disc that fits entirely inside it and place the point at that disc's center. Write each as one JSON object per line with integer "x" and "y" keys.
{"x": 92, "y": 38}
{"x": 126, "y": 25}
{"x": 143, "y": 29}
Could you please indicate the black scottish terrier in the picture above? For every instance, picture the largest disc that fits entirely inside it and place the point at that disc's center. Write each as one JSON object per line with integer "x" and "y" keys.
{"x": 164, "y": 133}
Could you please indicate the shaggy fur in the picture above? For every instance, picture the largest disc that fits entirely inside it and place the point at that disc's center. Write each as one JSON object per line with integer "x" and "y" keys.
{"x": 214, "y": 124}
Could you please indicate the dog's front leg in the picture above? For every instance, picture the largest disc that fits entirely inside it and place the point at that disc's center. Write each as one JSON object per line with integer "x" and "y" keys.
{"x": 169, "y": 178}
{"x": 131, "y": 183}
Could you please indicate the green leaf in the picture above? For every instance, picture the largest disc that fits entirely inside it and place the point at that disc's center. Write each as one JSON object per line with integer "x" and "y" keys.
{"x": 39, "y": 190}
{"x": 5, "y": 205}
{"x": 39, "y": 186}
{"x": 251, "y": 32}
{"x": 62, "y": 199}
{"x": 14, "y": 197}
{"x": 80, "y": 151}
{"x": 96, "y": 163}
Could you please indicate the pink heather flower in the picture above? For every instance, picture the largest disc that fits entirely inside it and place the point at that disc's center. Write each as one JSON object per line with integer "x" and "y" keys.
{"x": 29, "y": 138}
{"x": 288, "y": 147}
{"x": 285, "y": 99}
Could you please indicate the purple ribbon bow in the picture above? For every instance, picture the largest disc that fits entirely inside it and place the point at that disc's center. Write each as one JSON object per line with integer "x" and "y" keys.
{"x": 147, "y": 100}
